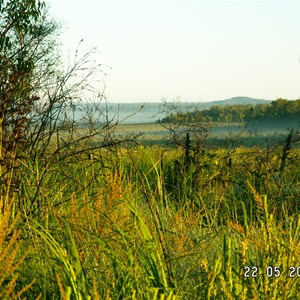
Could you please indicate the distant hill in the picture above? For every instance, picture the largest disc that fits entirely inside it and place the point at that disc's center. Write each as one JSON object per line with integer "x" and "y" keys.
{"x": 234, "y": 101}
{"x": 206, "y": 104}
{"x": 191, "y": 106}
{"x": 150, "y": 112}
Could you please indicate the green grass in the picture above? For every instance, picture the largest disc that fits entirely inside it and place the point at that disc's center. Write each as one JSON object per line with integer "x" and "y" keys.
{"x": 221, "y": 135}
{"x": 146, "y": 223}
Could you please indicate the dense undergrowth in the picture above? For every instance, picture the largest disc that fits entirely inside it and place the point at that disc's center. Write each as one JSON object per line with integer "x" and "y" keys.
{"x": 153, "y": 223}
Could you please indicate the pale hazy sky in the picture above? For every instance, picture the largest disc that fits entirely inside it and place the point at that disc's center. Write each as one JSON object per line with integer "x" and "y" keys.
{"x": 195, "y": 50}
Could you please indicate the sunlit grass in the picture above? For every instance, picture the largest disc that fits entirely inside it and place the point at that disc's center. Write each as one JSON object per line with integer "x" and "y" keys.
{"x": 140, "y": 223}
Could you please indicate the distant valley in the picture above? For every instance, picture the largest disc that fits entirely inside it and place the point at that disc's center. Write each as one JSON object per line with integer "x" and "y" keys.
{"x": 150, "y": 112}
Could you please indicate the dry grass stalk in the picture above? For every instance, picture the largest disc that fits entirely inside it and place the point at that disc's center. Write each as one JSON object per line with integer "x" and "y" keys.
{"x": 10, "y": 246}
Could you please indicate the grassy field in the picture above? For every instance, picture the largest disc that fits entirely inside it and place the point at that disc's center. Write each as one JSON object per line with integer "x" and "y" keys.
{"x": 221, "y": 134}
{"x": 152, "y": 223}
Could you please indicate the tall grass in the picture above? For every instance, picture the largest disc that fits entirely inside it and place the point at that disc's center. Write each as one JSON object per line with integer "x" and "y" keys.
{"x": 11, "y": 256}
{"x": 141, "y": 223}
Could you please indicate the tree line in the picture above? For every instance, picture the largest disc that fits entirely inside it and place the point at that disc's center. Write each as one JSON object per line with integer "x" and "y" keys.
{"x": 280, "y": 109}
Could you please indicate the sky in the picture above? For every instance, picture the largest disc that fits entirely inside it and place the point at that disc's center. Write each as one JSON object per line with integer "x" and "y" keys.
{"x": 187, "y": 50}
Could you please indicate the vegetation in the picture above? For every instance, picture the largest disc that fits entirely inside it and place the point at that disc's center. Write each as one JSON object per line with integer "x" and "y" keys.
{"x": 38, "y": 97}
{"x": 89, "y": 215}
{"x": 155, "y": 223}
{"x": 279, "y": 110}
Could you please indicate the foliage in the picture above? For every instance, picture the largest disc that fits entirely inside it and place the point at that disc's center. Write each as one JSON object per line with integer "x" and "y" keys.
{"x": 38, "y": 97}
{"x": 11, "y": 258}
{"x": 26, "y": 58}
{"x": 143, "y": 228}
{"x": 278, "y": 110}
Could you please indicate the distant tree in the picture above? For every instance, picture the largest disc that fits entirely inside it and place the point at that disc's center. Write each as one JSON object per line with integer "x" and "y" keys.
{"x": 281, "y": 109}
{"x": 189, "y": 130}
{"x": 294, "y": 109}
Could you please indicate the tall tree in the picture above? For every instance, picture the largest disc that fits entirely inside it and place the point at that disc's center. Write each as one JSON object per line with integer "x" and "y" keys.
{"x": 38, "y": 98}
{"x": 26, "y": 59}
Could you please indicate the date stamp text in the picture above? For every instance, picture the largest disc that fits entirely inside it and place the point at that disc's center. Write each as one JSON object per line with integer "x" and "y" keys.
{"x": 271, "y": 272}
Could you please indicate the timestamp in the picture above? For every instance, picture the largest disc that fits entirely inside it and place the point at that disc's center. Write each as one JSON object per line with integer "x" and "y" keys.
{"x": 270, "y": 271}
